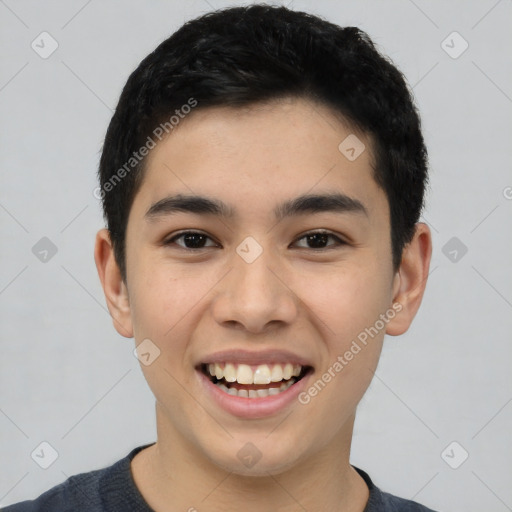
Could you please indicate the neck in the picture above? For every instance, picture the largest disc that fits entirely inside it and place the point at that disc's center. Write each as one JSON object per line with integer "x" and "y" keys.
{"x": 173, "y": 475}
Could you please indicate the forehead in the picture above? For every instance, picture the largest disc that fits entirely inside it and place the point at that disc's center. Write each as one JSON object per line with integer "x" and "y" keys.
{"x": 263, "y": 152}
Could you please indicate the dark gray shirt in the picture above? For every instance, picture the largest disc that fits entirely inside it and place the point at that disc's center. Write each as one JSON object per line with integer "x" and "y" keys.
{"x": 112, "y": 489}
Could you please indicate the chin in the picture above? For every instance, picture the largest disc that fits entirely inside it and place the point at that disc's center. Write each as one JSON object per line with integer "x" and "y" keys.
{"x": 257, "y": 455}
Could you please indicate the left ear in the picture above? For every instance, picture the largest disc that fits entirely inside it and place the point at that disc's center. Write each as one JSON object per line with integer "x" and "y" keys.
{"x": 410, "y": 280}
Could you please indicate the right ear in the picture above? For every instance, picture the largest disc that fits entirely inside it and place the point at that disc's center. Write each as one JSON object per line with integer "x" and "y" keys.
{"x": 116, "y": 292}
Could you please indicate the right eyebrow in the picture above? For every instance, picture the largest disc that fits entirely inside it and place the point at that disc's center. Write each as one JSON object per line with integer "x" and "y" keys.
{"x": 191, "y": 204}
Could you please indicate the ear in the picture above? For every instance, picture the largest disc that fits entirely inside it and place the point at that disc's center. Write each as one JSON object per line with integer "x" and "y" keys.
{"x": 116, "y": 292}
{"x": 410, "y": 280}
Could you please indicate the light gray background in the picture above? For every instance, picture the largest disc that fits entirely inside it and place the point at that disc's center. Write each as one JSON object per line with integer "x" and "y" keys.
{"x": 68, "y": 378}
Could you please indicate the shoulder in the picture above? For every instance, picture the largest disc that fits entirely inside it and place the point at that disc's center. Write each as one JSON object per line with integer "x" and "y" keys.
{"x": 79, "y": 491}
{"x": 99, "y": 490}
{"x": 396, "y": 504}
{"x": 380, "y": 501}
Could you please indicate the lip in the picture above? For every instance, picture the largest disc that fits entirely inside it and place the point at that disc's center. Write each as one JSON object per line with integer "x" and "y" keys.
{"x": 254, "y": 358}
{"x": 253, "y": 408}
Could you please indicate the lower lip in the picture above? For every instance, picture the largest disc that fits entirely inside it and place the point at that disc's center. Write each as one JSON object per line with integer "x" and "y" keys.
{"x": 259, "y": 407}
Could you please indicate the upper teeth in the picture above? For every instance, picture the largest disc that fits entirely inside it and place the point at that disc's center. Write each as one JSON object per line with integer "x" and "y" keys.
{"x": 262, "y": 374}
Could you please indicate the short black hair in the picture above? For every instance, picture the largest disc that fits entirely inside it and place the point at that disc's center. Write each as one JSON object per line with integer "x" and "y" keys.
{"x": 241, "y": 56}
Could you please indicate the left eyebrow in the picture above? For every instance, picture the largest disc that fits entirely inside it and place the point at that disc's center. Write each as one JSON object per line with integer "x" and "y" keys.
{"x": 316, "y": 203}
{"x": 307, "y": 203}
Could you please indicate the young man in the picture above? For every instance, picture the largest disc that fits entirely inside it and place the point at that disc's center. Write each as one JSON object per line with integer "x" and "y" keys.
{"x": 262, "y": 180}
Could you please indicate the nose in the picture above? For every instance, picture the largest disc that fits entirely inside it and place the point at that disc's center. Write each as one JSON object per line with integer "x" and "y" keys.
{"x": 255, "y": 296}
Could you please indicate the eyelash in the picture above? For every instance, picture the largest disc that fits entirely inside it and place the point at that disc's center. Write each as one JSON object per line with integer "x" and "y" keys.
{"x": 339, "y": 241}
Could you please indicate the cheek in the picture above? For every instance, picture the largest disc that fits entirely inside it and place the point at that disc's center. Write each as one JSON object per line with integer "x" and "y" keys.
{"x": 163, "y": 312}
{"x": 347, "y": 302}
{"x": 169, "y": 304}
{"x": 349, "y": 306}
{"x": 352, "y": 307}
{"x": 160, "y": 301}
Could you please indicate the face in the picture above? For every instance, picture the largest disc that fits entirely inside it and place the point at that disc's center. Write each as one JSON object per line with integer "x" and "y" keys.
{"x": 276, "y": 277}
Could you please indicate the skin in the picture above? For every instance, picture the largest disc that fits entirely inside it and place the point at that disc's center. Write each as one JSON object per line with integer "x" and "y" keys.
{"x": 312, "y": 302}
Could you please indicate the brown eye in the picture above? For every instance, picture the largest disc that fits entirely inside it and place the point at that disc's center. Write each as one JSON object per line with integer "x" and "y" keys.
{"x": 191, "y": 240}
{"x": 319, "y": 240}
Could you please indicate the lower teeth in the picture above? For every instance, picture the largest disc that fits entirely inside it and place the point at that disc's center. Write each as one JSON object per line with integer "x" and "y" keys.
{"x": 256, "y": 393}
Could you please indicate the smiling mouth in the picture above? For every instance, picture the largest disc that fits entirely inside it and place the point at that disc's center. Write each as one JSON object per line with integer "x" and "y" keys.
{"x": 260, "y": 381}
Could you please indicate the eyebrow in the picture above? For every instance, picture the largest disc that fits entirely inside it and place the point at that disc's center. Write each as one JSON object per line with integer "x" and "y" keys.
{"x": 307, "y": 203}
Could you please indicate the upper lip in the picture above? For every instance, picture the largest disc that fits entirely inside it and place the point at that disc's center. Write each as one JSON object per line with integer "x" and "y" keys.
{"x": 241, "y": 356}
